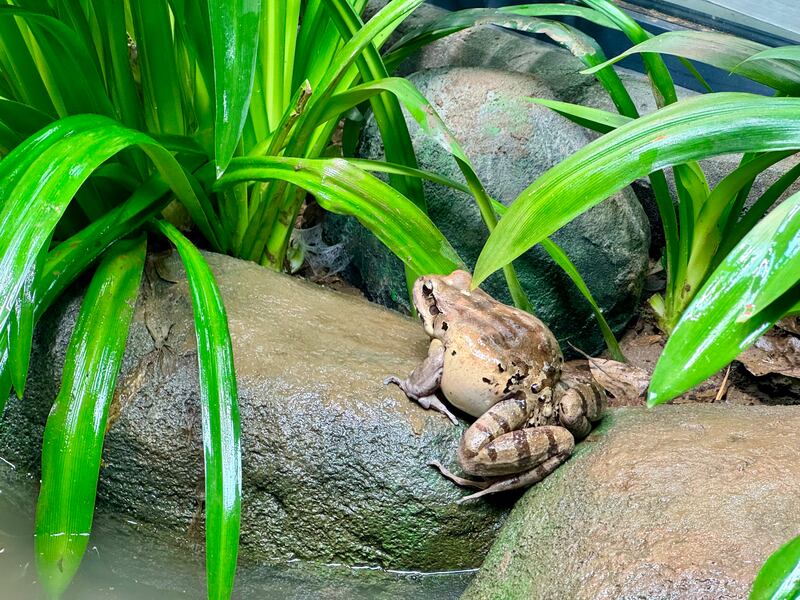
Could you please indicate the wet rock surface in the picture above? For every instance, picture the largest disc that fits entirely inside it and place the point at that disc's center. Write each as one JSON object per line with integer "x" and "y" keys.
{"x": 334, "y": 463}
{"x": 511, "y": 142}
{"x": 676, "y": 502}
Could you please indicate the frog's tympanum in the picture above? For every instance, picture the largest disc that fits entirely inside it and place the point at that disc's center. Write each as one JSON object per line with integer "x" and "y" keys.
{"x": 504, "y": 367}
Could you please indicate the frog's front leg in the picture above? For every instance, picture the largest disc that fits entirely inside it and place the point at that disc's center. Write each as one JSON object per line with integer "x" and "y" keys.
{"x": 423, "y": 382}
{"x": 499, "y": 447}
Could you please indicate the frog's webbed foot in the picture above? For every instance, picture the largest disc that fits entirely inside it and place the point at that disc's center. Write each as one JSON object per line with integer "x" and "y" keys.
{"x": 475, "y": 483}
{"x": 522, "y": 480}
{"x": 422, "y": 383}
{"x": 432, "y": 402}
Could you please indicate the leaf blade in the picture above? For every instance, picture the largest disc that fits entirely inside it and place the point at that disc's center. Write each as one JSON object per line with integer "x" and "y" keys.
{"x": 701, "y": 127}
{"x": 220, "y": 415}
{"x": 234, "y": 36}
{"x": 721, "y": 321}
{"x": 73, "y": 438}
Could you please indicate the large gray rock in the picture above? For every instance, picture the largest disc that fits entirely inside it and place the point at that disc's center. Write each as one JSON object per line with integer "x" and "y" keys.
{"x": 334, "y": 463}
{"x": 678, "y": 502}
{"x": 511, "y": 142}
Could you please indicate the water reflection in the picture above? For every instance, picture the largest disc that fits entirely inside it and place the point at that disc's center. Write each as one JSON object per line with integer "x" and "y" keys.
{"x": 126, "y": 561}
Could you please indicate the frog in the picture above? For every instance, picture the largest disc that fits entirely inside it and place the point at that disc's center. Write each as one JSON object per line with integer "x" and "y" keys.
{"x": 504, "y": 367}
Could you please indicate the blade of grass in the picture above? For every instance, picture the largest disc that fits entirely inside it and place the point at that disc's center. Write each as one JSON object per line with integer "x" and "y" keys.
{"x": 73, "y": 437}
{"x": 779, "y": 578}
{"x": 723, "y": 51}
{"x": 69, "y": 69}
{"x": 220, "y": 414}
{"x": 431, "y": 124}
{"x": 595, "y": 119}
{"x": 164, "y": 111}
{"x": 456, "y": 21}
{"x": 737, "y": 230}
{"x": 19, "y": 68}
{"x": 40, "y": 188}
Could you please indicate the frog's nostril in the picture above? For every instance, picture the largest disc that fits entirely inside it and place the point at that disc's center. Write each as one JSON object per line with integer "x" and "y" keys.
{"x": 427, "y": 288}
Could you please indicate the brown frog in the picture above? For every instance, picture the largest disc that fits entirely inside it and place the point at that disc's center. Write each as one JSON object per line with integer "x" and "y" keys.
{"x": 504, "y": 367}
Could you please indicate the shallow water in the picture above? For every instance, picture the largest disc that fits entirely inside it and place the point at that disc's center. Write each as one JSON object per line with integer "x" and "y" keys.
{"x": 126, "y": 562}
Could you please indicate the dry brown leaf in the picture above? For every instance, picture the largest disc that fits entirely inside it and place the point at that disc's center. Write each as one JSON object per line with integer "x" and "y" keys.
{"x": 623, "y": 381}
{"x": 777, "y": 351}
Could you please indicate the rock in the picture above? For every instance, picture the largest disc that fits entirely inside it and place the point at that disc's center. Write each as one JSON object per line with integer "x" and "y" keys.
{"x": 511, "y": 142}
{"x": 676, "y": 502}
{"x": 334, "y": 462}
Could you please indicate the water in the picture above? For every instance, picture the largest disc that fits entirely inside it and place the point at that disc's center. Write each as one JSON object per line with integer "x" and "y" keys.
{"x": 129, "y": 561}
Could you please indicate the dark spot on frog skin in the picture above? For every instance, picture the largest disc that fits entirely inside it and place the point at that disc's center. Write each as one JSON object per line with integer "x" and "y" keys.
{"x": 486, "y": 380}
{"x": 444, "y": 325}
{"x": 453, "y": 353}
{"x": 500, "y": 368}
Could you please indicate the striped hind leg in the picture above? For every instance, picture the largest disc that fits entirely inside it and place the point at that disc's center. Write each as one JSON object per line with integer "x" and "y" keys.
{"x": 507, "y": 454}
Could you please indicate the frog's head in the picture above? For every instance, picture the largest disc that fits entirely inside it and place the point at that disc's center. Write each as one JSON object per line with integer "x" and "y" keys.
{"x": 437, "y": 298}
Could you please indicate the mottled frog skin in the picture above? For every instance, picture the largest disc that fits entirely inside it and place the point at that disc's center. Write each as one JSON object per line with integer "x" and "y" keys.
{"x": 504, "y": 367}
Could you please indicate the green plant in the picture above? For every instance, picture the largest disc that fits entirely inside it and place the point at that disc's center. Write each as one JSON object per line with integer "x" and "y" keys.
{"x": 779, "y": 578}
{"x": 708, "y": 223}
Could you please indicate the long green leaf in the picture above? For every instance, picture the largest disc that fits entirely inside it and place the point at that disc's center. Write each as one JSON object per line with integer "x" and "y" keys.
{"x": 234, "y": 34}
{"x": 73, "y": 437}
{"x": 723, "y": 51}
{"x": 345, "y": 189}
{"x": 595, "y": 119}
{"x": 779, "y": 578}
{"x": 698, "y": 128}
{"x": 69, "y": 68}
{"x": 42, "y": 175}
{"x": 783, "y": 53}
{"x": 220, "y": 414}
{"x": 453, "y": 22}
{"x": 722, "y": 320}
{"x": 562, "y": 260}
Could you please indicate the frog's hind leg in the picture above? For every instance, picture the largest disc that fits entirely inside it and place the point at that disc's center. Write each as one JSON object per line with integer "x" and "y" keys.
{"x": 500, "y": 448}
{"x": 522, "y": 480}
{"x": 475, "y": 483}
{"x": 422, "y": 383}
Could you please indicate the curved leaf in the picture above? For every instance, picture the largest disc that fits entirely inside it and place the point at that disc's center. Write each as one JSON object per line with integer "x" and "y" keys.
{"x": 782, "y": 53}
{"x": 432, "y": 125}
{"x": 73, "y": 437}
{"x": 723, "y": 51}
{"x": 345, "y": 189}
{"x": 722, "y": 320}
{"x": 220, "y": 413}
{"x": 779, "y": 578}
{"x": 234, "y": 37}
{"x": 698, "y": 128}
{"x": 595, "y": 119}
{"x": 40, "y": 177}
{"x": 453, "y": 22}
